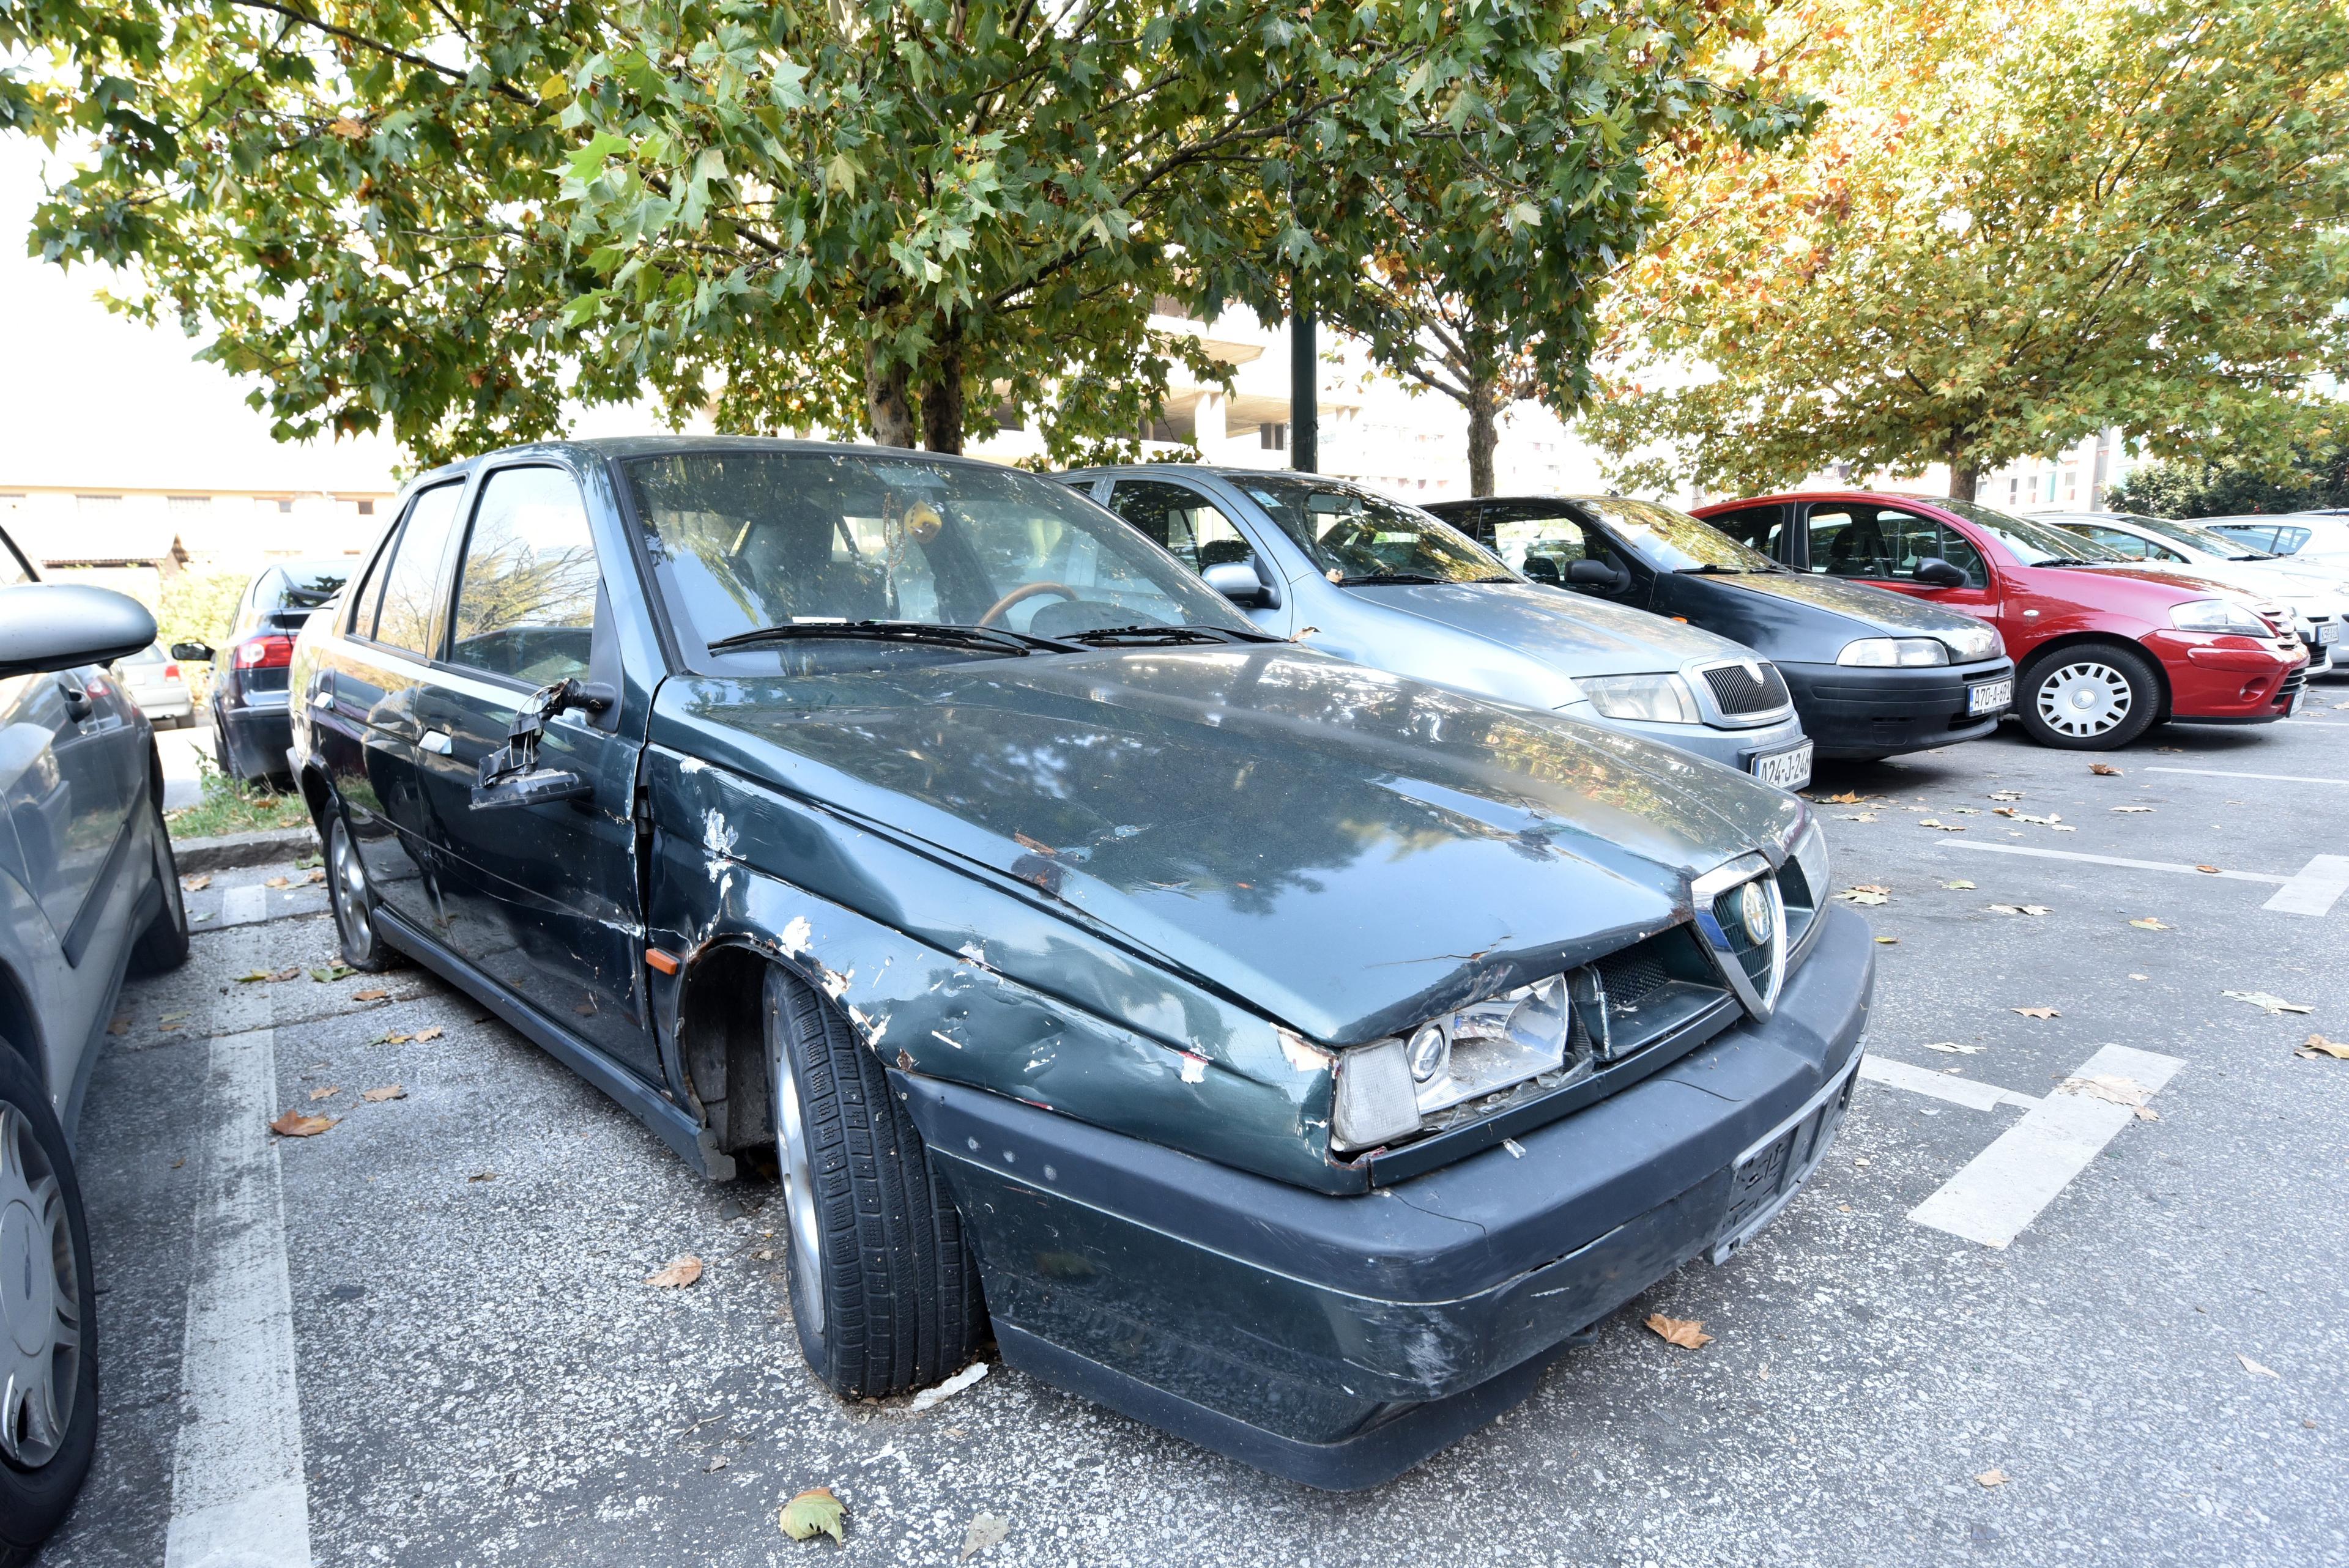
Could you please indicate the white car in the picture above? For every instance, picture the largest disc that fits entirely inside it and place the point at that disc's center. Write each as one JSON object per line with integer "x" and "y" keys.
{"x": 2316, "y": 593}
{"x": 2309, "y": 538}
{"x": 155, "y": 680}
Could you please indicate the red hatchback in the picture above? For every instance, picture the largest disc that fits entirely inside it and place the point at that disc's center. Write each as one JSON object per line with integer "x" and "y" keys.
{"x": 2104, "y": 646}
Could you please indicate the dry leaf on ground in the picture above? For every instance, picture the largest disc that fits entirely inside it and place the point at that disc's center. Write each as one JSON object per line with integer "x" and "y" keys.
{"x": 1945, "y": 827}
{"x": 2318, "y": 1045}
{"x": 389, "y": 1091}
{"x": 1688, "y": 1333}
{"x": 2270, "y": 1003}
{"x": 2112, "y": 1089}
{"x": 1961, "y": 885}
{"x": 1954, "y": 1048}
{"x": 2022, "y": 908}
{"x": 2006, "y": 794}
{"x": 2255, "y": 1370}
{"x": 2212, "y": 870}
{"x": 2103, "y": 771}
{"x": 279, "y": 882}
{"x": 393, "y": 1038}
{"x": 252, "y": 975}
{"x": 291, "y": 971}
{"x": 483, "y": 1176}
{"x": 196, "y": 883}
{"x": 372, "y": 994}
{"x": 1864, "y": 895}
{"x": 2132, "y": 808}
{"x": 295, "y": 1124}
{"x": 2036, "y": 1012}
{"x": 119, "y": 1025}
{"x": 317, "y": 876}
{"x": 1990, "y": 1478}
{"x": 431, "y": 1033}
{"x": 171, "y": 1021}
{"x": 1888, "y": 942}
{"x": 331, "y": 973}
{"x": 985, "y": 1529}
{"x": 329, "y": 1092}
{"x": 813, "y": 1513}
{"x": 2150, "y": 923}
{"x": 682, "y": 1271}
{"x": 1849, "y": 798}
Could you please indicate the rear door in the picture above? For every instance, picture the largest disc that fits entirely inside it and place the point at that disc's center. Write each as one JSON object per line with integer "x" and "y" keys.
{"x": 542, "y": 898}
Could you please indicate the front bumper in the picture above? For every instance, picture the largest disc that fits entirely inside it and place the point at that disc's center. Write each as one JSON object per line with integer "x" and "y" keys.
{"x": 1337, "y": 1341}
{"x": 1735, "y": 748}
{"x": 2216, "y": 678}
{"x": 1856, "y": 712}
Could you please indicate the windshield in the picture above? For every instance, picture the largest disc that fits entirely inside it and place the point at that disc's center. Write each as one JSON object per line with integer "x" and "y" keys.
{"x": 1672, "y": 541}
{"x": 742, "y": 541}
{"x": 1355, "y": 537}
{"x": 2194, "y": 538}
{"x": 310, "y": 583}
{"x": 2034, "y": 543}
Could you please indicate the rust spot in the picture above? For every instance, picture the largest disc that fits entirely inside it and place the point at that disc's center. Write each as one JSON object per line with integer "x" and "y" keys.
{"x": 1044, "y": 873}
{"x": 905, "y": 1060}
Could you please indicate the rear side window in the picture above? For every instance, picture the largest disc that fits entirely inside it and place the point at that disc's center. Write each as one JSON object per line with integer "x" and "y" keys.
{"x": 1762, "y": 527}
{"x": 526, "y": 598}
{"x": 415, "y": 587}
{"x": 1187, "y": 523}
{"x": 2288, "y": 540}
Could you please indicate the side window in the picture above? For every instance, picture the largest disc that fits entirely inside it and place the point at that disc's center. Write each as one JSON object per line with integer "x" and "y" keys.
{"x": 1960, "y": 552}
{"x": 361, "y": 608}
{"x": 526, "y": 596}
{"x": 1762, "y": 527}
{"x": 1872, "y": 541}
{"x": 2288, "y": 540}
{"x": 1187, "y": 523}
{"x": 414, "y": 588}
{"x": 1538, "y": 540}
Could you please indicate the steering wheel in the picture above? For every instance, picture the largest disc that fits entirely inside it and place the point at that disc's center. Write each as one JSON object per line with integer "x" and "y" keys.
{"x": 1025, "y": 591}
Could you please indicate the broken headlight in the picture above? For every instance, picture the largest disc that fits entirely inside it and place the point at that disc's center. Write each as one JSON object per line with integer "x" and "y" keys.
{"x": 1385, "y": 1088}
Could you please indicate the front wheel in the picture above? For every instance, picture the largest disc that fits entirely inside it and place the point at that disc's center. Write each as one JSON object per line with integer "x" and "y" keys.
{"x": 48, "y": 1367}
{"x": 884, "y": 1291}
{"x": 2095, "y": 697}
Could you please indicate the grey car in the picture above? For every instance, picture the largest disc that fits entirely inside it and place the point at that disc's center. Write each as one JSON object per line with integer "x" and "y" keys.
{"x": 1389, "y": 585}
{"x": 88, "y": 892}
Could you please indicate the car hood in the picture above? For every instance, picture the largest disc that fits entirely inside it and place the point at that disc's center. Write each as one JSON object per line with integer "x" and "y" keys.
{"x": 1879, "y": 608}
{"x": 1342, "y": 849}
{"x": 1575, "y": 634}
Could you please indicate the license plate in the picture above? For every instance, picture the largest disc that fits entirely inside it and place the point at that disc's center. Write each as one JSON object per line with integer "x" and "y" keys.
{"x": 1989, "y": 696}
{"x": 1766, "y": 1177}
{"x": 2327, "y": 636}
{"x": 2298, "y": 700}
{"x": 1788, "y": 769}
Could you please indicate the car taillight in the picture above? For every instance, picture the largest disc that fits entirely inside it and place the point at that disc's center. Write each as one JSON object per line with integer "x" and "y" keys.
{"x": 170, "y": 669}
{"x": 265, "y": 653}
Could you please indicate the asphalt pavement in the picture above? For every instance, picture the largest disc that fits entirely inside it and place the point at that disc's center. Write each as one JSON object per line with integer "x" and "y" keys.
{"x": 2107, "y": 1337}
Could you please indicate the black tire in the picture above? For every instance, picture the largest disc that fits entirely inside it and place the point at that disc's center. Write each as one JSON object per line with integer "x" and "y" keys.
{"x": 2089, "y": 696}
{"x": 41, "y": 1467}
{"x": 887, "y": 1298}
{"x": 163, "y": 945}
{"x": 352, "y": 897}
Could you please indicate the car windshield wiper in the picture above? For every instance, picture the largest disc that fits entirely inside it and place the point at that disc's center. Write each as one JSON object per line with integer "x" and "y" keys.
{"x": 1709, "y": 569}
{"x": 1100, "y": 635}
{"x": 2075, "y": 560}
{"x": 997, "y": 639}
{"x": 1391, "y": 577}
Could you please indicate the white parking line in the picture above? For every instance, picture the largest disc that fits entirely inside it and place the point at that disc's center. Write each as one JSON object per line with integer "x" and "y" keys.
{"x": 2273, "y": 778}
{"x": 2001, "y": 1190}
{"x": 2319, "y": 885}
{"x": 1941, "y": 1085}
{"x": 2313, "y": 890}
{"x": 238, "y": 1496}
{"x": 2111, "y": 861}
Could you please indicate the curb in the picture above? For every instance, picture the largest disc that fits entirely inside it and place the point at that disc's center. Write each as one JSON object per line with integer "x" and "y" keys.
{"x": 230, "y": 849}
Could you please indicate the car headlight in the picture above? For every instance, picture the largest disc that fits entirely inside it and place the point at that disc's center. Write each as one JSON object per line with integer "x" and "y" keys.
{"x": 1385, "y": 1088}
{"x": 1891, "y": 652}
{"x": 1377, "y": 1102}
{"x": 1973, "y": 643}
{"x": 2218, "y": 615}
{"x": 1809, "y": 851}
{"x": 1658, "y": 700}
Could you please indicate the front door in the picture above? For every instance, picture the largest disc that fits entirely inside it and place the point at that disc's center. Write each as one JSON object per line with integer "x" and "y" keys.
{"x": 1863, "y": 541}
{"x": 1544, "y": 539}
{"x": 1195, "y": 529}
{"x": 542, "y": 898}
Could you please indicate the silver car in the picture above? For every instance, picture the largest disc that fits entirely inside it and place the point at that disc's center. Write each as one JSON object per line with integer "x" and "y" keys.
{"x": 1385, "y": 584}
{"x": 157, "y": 685}
{"x": 2316, "y": 595}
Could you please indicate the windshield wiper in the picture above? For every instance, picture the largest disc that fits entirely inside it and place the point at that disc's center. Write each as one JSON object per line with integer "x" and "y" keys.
{"x": 1708, "y": 569}
{"x": 1100, "y": 636}
{"x": 1391, "y": 577}
{"x": 998, "y": 639}
{"x": 2075, "y": 560}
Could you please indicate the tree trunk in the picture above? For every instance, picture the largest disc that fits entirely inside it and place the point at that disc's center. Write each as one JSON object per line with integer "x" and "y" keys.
{"x": 887, "y": 407}
{"x": 1483, "y": 435}
{"x": 1964, "y": 472}
{"x": 942, "y": 407}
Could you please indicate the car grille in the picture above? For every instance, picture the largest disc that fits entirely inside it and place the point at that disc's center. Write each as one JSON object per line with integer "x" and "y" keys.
{"x": 1739, "y": 694}
{"x": 2293, "y": 682}
{"x": 1754, "y": 958}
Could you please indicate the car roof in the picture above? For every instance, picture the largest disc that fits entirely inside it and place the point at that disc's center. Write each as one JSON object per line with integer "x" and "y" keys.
{"x": 622, "y": 447}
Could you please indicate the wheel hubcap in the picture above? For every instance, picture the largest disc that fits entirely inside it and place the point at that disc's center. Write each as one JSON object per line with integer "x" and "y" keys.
{"x": 350, "y": 892}
{"x": 40, "y": 1351}
{"x": 2086, "y": 698}
{"x": 799, "y": 1192}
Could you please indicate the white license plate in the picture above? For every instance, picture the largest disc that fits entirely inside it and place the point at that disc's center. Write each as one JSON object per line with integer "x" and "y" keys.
{"x": 2298, "y": 700}
{"x": 2327, "y": 636}
{"x": 1788, "y": 769}
{"x": 1989, "y": 696}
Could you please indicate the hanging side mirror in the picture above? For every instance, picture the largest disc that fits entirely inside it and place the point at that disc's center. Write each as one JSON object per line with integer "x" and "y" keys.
{"x": 192, "y": 653}
{"x": 1935, "y": 573}
{"x": 1587, "y": 573}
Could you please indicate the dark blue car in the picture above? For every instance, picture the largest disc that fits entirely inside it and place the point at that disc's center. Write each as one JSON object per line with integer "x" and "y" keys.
{"x": 1284, "y": 1052}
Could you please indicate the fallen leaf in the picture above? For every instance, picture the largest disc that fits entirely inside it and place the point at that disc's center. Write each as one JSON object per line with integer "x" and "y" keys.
{"x": 1862, "y": 895}
{"x": 2272, "y": 1004}
{"x": 1888, "y": 942}
{"x": 2002, "y": 812}
{"x": 2006, "y": 794}
{"x": 1026, "y": 842}
{"x": 303, "y": 862}
{"x": 119, "y": 1025}
{"x": 682, "y": 1271}
{"x": 1961, "y": 885}
{"x": 1990, "y": 1478}
{"x": 329, "y": 1092}
{"x": 294, "y": 1124}
{"x": 288, "y": 973}
{"x": 317, "y": 877}
{"x": 196, "y": 883}
{"x": 2036, "y": 1012}
{"x": 389, "y": 1091}
{"x": 2317, "y": 1045}
{"x": 1849, "y": 798}
{"x": 392, "y": 1037}
{"x": 331, "y": 973}
{"x": 2132, "y": 808}
{"x": 2150, "y": 923}
{"x": 279, "y": 882}
{"x": 814, "y": 1513}
{"x": 1966, "y": 811}
{"x": 483, "y": 1176}
{"x": 1945, "y": 827}
{"x": 423, "y": 1035}
{"x": 2211, "y": 869}
{"x": 2021, "y": 909}
{"x": 716, "y": 1462}
{"x": 250, "y": 975}
{"x": 2110, "y": 1088}
{"x": 2140, "y": 977}
{"x": 1688, "y": 1333}
{"x": 983, "y": 1530}
{"x": 1954, "y": 1048}
{"x": 2104, "y": 770}
{"x": 372, "y": 994}
{"x": 2255, "y": 1370}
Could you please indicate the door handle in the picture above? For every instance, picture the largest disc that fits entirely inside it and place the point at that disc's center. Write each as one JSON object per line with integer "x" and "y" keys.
{"x": 436, "y": 742}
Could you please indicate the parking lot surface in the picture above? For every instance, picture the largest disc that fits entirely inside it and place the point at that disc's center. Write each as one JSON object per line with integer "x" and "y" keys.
{"x": 2105, "y": 1337}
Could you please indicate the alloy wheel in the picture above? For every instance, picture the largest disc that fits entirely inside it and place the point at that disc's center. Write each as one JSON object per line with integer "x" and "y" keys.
{"x": 352, "y": 907}
{"x": 799, "y": 1193}
{"x": 2085, "y": 699}
{"x": 40, "y": 1305}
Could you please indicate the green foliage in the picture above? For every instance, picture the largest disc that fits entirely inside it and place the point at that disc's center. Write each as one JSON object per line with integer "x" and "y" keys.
{"x": 2017, "y": 225}
{"x": 197, "y": 606}
{"x": 230, "y": 806}
{"x": 2184, "y": 487}
{"x": 447, "y": 220}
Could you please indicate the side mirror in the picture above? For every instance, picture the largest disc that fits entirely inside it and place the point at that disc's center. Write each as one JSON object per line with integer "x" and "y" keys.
{"x": 192, "y": 653}
{"x": 1935, "y": 573}
{"x": 1543, "y": 569}
{"x": 1592, "y": 574}
{"x": 56, "y": 626}
{"x": 1237, "y": 581}
{"x": 539, "y": 787}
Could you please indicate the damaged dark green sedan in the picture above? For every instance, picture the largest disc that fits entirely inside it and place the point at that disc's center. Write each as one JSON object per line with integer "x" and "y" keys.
{"x": 1286, "y": 1054}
